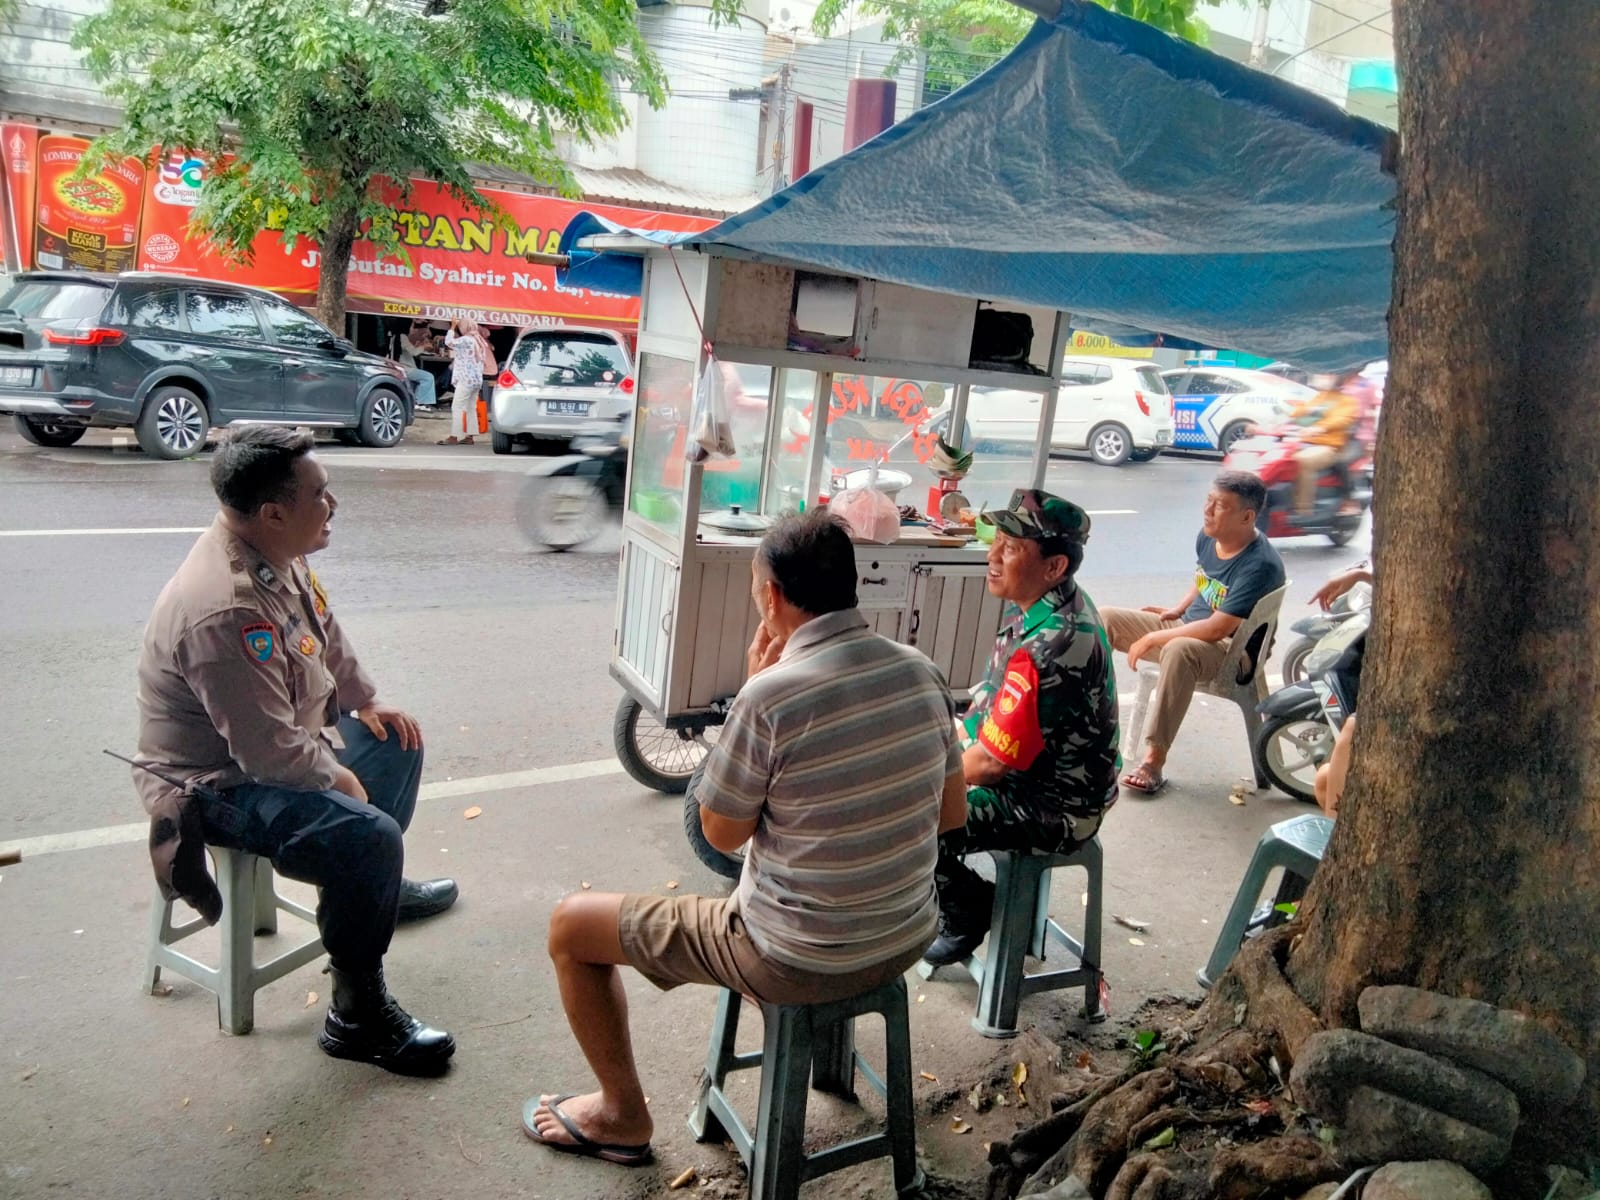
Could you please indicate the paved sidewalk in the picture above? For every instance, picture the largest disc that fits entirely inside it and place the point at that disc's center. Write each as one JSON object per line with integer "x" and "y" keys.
{"x": 110, "y": 1093}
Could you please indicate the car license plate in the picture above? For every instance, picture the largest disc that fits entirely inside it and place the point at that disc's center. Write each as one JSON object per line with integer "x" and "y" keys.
{"x": 16, "y": 377}
{"x": 575, "y": 408}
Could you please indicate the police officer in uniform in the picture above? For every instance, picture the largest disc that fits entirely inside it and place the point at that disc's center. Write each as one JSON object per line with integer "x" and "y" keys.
{"x": 249, "y": 689}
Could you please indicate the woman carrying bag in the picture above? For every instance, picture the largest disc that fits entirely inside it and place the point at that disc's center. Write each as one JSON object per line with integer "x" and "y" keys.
{"x": 469, "y": 353}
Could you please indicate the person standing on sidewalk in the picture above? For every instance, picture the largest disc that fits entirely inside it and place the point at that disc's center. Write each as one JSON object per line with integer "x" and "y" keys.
{"x": 247, "y": 686}
{"x": 1235, "y": 567}
{"x": 468, "y": 354}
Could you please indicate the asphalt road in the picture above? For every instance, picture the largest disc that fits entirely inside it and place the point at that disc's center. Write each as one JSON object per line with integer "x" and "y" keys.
{"x": 501, "y": 650}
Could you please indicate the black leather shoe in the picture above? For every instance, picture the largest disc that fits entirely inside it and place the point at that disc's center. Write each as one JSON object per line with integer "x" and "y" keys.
{"x": 365, "y": 1023}
{"x": 963, "y": 924}
{"x": 426, "y": 899}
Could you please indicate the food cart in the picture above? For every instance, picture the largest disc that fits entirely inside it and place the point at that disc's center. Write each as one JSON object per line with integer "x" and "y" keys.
{"x": 827, "y": 350}
{"x": 1103, "y": 168}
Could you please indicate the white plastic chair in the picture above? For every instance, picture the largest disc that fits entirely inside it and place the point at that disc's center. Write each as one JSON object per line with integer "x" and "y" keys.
{"x": 1241, "y": 678}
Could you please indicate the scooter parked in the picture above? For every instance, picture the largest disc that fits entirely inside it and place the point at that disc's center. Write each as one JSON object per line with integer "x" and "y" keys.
{"x": 1303, "y": 719}
{"x": 1314, "y": 628}
{"x": 1344, "y": 490}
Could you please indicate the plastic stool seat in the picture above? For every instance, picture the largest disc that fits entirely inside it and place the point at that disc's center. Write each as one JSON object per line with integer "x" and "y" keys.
{"x": 250, "y": 906}
{"x": 812, "y": 1043}
{"x": 1296, "y": 846}
{"x": 1021, "y": 926}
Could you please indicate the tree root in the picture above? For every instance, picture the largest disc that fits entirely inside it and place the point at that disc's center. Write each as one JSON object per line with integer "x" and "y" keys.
{"x": 1246, "y": 1035}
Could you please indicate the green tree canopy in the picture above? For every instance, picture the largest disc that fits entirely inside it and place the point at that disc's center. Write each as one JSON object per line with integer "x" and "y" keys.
{"x": 960, "y": 38}
{"x": 304, "y": 107}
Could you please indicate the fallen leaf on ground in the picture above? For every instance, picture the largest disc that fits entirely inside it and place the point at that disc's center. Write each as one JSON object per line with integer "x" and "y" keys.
{"x": 267, "y": 1141}
{"x": 185, "y": 1103}
{"x": 682, "y": 1181}
{"x": 28, "y": 1074}
{"x": 957, "y": 1125}
{"x": 161, "y": 989}
{"x": 586, "y": 885}
{"x": 443, "y": 850}
{"x": 473, "y": 813}
{"x": 1019, "y": 1074}
{"x": 1135, "y": 941}
{"x": 1259, "y": 1106}
{"x": 229, "y": 1129}
{"x": 1084, "y": 1061}
{"x": 975, "y": 1098}
{"x": 1236, "y": 798}
{"x": 1132, "y": 923}
{"x": 1000, "y": 1100}
{"x": 76, "y": 932}
{"x": 928, "y": 1077}
{"x": 1085, "y": 900}
{"x": 672, "y": 885}
{"x": 311, "y": 998}
{"x": 920, "y": 999}
{"x": 1162, "y": 1140}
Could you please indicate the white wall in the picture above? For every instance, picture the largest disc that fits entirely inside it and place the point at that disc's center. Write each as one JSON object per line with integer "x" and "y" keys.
{"x": 36, "y": 59}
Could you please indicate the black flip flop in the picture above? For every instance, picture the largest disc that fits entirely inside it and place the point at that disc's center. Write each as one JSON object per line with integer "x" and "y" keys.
{"x": 584, "y": 1147}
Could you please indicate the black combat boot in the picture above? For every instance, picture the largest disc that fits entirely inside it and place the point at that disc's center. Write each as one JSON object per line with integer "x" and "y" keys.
{"x": 964, "y": 916}
{"x": 368, "y": 1025}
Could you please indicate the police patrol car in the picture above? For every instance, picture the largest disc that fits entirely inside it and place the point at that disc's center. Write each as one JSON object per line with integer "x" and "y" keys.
{"x": 1215, "y": 406}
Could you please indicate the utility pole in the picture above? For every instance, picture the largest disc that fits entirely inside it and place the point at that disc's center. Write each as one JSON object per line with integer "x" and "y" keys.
{"x": 780, "y": 144}
{"x": 1258, "y": 40}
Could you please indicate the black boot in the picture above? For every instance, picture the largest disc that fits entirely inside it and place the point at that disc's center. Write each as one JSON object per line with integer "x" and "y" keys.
{"x": 368, "y": 1025}
{"x": 964, "y": 916}
{"x": 427, "y": 899}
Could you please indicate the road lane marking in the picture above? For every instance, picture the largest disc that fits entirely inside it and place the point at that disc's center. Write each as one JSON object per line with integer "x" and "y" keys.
{"x": 443, "y": 789}
{"x": 101, "y": 532}
{"x": 1112, "y": 512}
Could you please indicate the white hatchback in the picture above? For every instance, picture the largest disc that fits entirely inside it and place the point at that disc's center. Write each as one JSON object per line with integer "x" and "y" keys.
{"x": 557, "y": 383}
{"x": 1115, "y": 408}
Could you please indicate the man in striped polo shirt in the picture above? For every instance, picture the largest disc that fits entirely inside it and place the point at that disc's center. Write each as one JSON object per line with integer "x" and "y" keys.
{"x": 839, "y": 765}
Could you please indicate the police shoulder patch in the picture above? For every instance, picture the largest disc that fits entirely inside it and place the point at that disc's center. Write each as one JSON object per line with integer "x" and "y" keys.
{"x": 308, "y": 645}
{"x": 260, "y": 640}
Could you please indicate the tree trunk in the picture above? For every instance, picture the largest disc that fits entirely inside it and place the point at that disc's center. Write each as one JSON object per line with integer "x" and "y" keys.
{"x": 1467, "y": 853}
{"x": 333, "y": 277}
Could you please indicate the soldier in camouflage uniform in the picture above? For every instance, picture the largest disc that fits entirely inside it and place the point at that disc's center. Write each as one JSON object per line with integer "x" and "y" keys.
{"x": 1041, "y": 758}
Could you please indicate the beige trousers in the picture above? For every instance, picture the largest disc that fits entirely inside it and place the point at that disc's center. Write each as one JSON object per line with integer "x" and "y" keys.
{"x": 1185, "y": 662}
{"x": 1313, "y": 461}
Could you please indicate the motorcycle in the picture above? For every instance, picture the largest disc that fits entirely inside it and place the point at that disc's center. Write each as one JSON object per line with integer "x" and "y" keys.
{"x": 568, "y": 500}
{"x": 1343, "y": 495}
{"x": 1303, "y": 719}
{"x": 1315, "y": 627}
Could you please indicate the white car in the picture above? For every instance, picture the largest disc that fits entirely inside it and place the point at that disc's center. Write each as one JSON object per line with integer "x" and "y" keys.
{"x": 559, "y": 382}
{"x": 1115, "y": 408}
{"x": 1216, "y": 406}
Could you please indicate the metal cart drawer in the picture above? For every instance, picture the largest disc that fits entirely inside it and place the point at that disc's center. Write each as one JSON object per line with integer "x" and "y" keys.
{"x": 882, "y": 584}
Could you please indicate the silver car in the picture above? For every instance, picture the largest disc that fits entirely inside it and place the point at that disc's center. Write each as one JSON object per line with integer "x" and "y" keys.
{"x": 556, "y": 383}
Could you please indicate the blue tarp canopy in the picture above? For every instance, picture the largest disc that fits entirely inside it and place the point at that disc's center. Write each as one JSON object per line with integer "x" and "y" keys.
{"x": 1125, "y": 176}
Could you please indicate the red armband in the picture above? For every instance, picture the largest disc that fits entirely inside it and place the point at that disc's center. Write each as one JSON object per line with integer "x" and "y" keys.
{"x": 1010, "y": 730}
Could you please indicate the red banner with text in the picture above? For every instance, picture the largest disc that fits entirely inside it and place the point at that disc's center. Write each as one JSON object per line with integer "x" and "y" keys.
{"x": 458, "y": 262}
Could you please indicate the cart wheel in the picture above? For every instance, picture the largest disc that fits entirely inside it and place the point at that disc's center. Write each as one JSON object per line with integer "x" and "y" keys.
{"x": 660, "y": 758}
{"x": 729, "y": 866}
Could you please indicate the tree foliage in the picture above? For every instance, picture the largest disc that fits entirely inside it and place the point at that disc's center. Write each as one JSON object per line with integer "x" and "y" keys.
{"x": 960, "y": 38}
{"x": 303, "y": 108}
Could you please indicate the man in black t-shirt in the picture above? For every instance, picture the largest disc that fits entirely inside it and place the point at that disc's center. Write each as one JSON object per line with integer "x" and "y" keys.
{"x": 1235, "y": 567}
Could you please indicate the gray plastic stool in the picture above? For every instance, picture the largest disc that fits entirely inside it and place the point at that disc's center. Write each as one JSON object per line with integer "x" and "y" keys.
{"x": 1021, "y": 926}
{"x": 1297, "y": 846}
{"x": 249, "y": 906}
{"x": 815, "y": 1043}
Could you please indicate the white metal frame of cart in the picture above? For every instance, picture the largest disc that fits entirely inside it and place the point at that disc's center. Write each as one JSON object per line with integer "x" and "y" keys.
{"x": 684, "y": 615}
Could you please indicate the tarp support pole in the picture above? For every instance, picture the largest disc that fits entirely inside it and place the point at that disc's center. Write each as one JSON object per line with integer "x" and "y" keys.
{"x": 1047, "y": 410}
{"x": 958, "y": 414}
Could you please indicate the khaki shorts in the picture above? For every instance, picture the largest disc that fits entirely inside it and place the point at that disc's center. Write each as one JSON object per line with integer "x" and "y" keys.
{"x": 673, "y": 940}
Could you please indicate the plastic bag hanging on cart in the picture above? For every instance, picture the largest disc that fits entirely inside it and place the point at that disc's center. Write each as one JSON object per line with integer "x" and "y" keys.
{"x": 711, "y": 422}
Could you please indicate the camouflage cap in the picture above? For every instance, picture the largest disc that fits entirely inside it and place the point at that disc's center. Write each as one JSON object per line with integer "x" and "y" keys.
{"x": 1038, "y": 515}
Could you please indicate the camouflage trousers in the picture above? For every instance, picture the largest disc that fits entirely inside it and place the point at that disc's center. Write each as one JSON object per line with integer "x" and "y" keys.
{"x": 995, "y": 823}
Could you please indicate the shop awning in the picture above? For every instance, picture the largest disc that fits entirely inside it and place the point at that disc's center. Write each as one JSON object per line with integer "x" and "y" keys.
{"x": 1125, "y": 176}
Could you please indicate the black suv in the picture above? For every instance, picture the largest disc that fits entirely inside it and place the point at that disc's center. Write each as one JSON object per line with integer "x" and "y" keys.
{"x": 172, "y": 356}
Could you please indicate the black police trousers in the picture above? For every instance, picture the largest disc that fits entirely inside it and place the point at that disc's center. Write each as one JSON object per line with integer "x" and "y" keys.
{"x": 352, "y": 851}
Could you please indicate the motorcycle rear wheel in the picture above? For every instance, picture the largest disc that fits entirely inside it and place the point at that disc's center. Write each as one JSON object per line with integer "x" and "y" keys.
{"x": 1294, "y": 660}
{"x": 562, "y": 511}
{"x": 1290, "y": 749}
